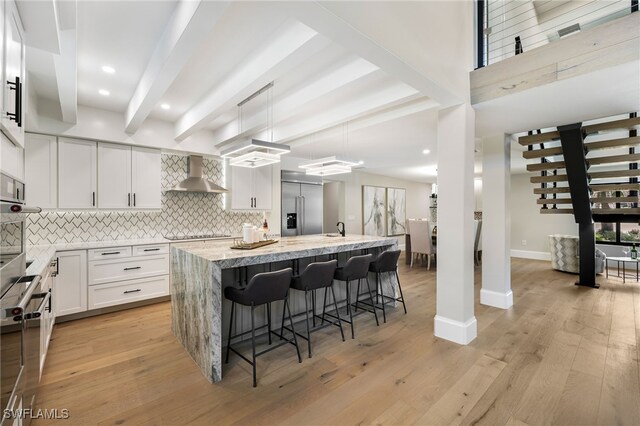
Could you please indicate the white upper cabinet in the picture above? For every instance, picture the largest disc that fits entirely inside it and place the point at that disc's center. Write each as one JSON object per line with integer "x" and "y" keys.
{"x": 77, "y": 173}
{"x": 13, "y": 75}
{"x": 251, "y": 189}
{"x": 114, "y": 176}
{"x": 41, "y": 171}
{"x": 146, "y": 186}
{"x": 262, "y": 184}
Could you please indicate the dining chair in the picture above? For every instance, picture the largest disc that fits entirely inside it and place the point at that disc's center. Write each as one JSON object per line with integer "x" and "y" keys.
{"x": 421, "y": 240}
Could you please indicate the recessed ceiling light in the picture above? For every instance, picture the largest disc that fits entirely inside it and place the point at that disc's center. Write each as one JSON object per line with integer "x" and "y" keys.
{"x": 426, "y": 151}
{"x": 360, "y": 162}
{"x": 108, "y": 69}
{"x": 104, "y": 92}
{"x": 165, "y": 106}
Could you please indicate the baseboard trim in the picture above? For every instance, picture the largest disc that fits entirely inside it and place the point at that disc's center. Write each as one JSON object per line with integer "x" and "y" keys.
{"x": 536, "y": 255}
{"x": 462, "y": 333}
{"x": 496, "y": 299}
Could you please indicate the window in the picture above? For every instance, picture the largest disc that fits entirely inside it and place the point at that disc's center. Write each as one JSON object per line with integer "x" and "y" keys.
{"x": 617, "y": 233}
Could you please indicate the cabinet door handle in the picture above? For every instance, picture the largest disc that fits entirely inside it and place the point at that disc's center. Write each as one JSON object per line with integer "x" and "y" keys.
{"x": 19, "y": 102}
{"x": 106, "y": 253}
{"x": 15, "y": 116}
{"x": 153, "y": 249}
{"x": 93, "y": 198}
{"x": 132, "y": 291}
{"x": 132, "y": 268}
{"x": 129, "y": 202}
{"x": 134, "y": 199}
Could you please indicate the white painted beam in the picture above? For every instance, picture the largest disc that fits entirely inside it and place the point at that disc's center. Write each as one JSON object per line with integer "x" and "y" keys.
{"x": 40, "y": 20}
{"x": 332, "y": 26}
{"x": 292, "y": 44}
{"x": 66, "y": 69}
{"x": 336, "y": 77}
{"x": 191, "y": 22}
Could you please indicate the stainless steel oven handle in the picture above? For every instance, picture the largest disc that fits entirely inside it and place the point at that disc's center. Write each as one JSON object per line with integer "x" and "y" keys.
{"x": 27, "y": 296}
{"x": 41, "y": 307}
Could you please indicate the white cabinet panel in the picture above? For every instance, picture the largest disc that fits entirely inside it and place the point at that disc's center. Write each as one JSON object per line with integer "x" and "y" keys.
{"x": 146, "y": 178}
{"x": 41, "y": 171}
{"x": 8, "y": 156}
{"x": 2, "y": 19}
{"x": 114, "y": 176}
{"x": 251, "y": 189}
{"x": 262, "y": 187}
{"x": 105, "y": 271}
{"x": 13, "y": 64}
{"x": 101, "y": 296}
{"x": 70, "y": 285}
{"x": 77, "y": 173}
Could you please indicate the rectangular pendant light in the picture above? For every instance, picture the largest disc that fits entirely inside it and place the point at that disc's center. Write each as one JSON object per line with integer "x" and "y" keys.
{"x": 327, "y": 161}
{"x": 254, "y": 145}
{"x": 254, "y": 159}
{"x": 335, "y": 169}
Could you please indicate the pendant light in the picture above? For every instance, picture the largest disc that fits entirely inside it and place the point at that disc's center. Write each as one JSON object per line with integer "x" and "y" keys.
{"x": 254, "y": 153}
{"x": 333, "y": 165}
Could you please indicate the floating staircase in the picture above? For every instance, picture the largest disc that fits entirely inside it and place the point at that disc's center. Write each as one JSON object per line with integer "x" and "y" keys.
{"x": 591, "y": 172}
{"x": 612, "y": 176}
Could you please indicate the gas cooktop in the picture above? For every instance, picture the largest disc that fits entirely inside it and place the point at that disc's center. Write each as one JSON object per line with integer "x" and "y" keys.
{"x": 194, "y": 237}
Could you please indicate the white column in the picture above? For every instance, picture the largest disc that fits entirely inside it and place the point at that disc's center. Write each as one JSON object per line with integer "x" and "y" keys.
{"x": 496, "y": 222}
{"x": 454, "y": 293}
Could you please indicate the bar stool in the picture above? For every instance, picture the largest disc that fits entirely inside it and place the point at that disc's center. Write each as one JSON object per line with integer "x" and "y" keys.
{"x": 315, "y": 276}
{"x": 356, "y": 268}
{"x": 263, "y": 289}
{"x": 387, "y": 262}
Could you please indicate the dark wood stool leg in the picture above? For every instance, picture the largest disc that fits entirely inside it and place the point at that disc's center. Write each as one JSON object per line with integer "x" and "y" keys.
{"x": 401, "y": 295}
{"x": 373, "y": 302}
{"x": 253, "y": 345}
{"x": 335, "y": 304}
{"x": 269, "y": 321}
{"x": 384, "y": 301}
{"x": 353, "y": 334}
{"x": 295, "y": 340}
{"x": 306, "y": 313}
{"x": 226, "y": 359}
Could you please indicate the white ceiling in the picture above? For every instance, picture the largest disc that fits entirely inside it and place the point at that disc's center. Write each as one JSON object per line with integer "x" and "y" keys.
{"x": 320, "y": 82}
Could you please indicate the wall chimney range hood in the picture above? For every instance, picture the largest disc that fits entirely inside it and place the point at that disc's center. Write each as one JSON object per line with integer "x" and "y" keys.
{"x": 196, "y": 182}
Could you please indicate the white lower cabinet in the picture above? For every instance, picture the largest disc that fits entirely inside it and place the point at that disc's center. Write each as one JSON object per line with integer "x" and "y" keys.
{"x": 105, "y": 271}
{"x": 48, "y": 319}
{"x": 101, "y": 296}
{"x": 70, "y": 285}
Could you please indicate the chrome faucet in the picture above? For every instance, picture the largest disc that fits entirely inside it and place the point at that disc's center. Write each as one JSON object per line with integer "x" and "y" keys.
{"x": 341, "y": 231}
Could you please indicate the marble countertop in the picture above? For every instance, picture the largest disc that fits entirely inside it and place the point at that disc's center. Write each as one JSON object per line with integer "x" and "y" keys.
{"x": 221, "y": 250}
{"x": 41, "y": 255}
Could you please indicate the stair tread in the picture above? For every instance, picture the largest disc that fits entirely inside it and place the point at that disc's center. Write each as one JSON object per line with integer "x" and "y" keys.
{"x": 610, "y": 125}
{"x": 612, "y": 143}
{"x": 537, "y": 138}
{"x": 539, "y": 153}
{"x": 553, "y": 201}
{"x": 614, "y": 173}
{"x": 557, "y": 190}
{"x": 556, "y": 211}
{"x": 615, "y": 186}
{"x": 552, "y": 165}
{"x": 543, "y": 179}
{"x": 607, "y": 200}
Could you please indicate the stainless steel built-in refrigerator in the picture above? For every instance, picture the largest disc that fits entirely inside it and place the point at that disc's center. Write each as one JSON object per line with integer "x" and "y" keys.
{"x": 301, "y": 204}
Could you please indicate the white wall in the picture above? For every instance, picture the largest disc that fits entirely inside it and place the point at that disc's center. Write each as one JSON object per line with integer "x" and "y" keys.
{"x": 99, "y": 124}
{"x": 528, "y": 224}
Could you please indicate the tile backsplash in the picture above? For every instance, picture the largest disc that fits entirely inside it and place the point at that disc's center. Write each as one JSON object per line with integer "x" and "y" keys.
{"x": 181, "y": 213}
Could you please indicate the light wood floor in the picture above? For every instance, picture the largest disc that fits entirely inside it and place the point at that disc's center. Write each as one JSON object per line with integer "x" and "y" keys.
{"x": 562, "y": 355}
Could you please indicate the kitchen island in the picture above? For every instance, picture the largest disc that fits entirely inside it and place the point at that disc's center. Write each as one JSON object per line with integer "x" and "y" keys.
{"x": 201, "y": 271}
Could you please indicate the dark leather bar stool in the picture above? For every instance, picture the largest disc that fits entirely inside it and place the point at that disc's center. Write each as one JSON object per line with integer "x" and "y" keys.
{"x": 315, "y": 276}
{"x": 387, "y": 262}
{"x": 356, "y": 268}
{"x": 263, "y": 289}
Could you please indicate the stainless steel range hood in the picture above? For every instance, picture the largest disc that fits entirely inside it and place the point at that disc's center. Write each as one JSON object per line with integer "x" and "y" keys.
{"x": 196, "y": 182}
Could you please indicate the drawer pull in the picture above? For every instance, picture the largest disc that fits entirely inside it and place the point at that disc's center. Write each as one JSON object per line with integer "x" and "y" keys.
{"x": 133, "y": 291}
{"x": 110, "y": 252}
{"x": 153, "y": 249}
{"x": 132, "y": 268}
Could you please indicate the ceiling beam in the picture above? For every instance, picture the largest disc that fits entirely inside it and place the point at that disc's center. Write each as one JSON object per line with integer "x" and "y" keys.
{"x": 291, "y": 45}
{"x": 331, "y": 79}
{"x": 334, "y": 27}
{"x": 190, "y": 23}
{"x": 66, "y": 69}
{"x": 40, "y": 20}
{"x": 380, "y": 116}
{"x": 389, "y": 96}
